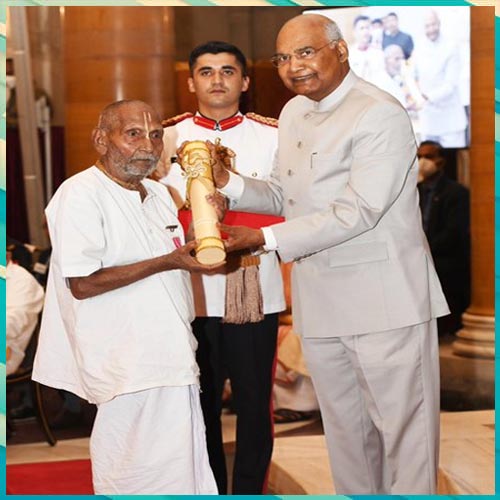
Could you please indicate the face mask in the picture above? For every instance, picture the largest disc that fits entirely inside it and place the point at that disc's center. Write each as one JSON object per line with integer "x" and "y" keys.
{"x": 10, "y": 81}
{"x": 426, "y": 168}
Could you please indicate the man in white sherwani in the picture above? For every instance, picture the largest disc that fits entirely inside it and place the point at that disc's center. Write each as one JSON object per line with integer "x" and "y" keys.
{"x": 365, "y": 293}
{"x": 438, "y": 68}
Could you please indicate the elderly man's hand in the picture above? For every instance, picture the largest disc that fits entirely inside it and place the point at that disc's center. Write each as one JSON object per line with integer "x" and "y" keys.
{"x": 219, "y": 201}
{"x": 221, "y": 163}
{"x": 241, "y": 237}
{"x": 184, "y": 258}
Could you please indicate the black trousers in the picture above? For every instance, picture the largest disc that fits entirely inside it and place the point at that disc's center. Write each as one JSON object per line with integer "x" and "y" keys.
{"x": 245, "y": 354}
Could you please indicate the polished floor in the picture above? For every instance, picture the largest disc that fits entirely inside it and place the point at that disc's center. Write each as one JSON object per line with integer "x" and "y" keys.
{"x": 300, "y": 463}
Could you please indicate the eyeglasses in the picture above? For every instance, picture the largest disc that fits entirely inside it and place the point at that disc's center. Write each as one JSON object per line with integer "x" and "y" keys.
{"x": 279, "y": 60}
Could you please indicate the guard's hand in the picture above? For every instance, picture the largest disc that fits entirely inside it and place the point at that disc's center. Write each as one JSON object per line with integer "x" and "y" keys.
{"x": 219, "y": 201}
{"x": 241, "y": 237}
{"x": 221, "y": 163}
{"x": 180, "y": 149}
{"x": 184, "y": 258}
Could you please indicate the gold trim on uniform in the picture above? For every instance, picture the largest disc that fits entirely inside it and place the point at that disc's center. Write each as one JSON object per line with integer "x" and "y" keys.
{"x": 168, "y": 122}
{"x": 265, "y": 120}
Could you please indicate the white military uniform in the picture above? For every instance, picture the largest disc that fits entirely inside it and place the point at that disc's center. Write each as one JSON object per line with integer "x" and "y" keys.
{"x": 244, "y": 352}
{"x": 255, "y": 145}
{"x": 115, "y": 348}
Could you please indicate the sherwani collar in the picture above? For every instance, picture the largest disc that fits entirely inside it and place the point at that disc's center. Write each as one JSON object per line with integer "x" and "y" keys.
{"x": 338, "y": 94}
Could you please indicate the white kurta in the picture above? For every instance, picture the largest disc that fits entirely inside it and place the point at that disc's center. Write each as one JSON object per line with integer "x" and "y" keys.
{"x": 24, "y": 301}
{"x": 255, "y": 147}
{"x": 129, "y": 339}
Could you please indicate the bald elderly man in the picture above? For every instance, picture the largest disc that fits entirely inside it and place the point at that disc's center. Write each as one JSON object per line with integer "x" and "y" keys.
{"x": 438, "y": 69}
{"x": 116, "y": 324}
{"x": 365, "y": 293}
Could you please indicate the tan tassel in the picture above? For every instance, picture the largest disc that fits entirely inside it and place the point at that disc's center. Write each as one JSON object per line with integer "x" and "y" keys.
{"x": 244, "y": 303}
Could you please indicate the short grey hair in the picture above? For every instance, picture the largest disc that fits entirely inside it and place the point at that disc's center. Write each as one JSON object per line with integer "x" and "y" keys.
{"x": 109, "y": 119}
{"x": 332, "y": 30}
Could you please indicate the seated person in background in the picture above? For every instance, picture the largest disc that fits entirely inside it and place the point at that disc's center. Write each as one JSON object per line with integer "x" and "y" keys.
{"x": 20, "y": 253}
{"x": 445, "y": 215}
{"x": 294, "y": 398}
{"x": 24, "y": 301}
{"x": 36, "y": 261}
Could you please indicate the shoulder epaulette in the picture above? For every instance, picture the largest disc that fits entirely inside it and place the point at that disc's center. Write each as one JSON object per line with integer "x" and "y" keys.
{"x": 168, "y": 122}
{"x": 265, "y": 120}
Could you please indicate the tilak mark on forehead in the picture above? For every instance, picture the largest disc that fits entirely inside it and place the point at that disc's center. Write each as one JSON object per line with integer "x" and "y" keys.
{"x": 147, "y": 121}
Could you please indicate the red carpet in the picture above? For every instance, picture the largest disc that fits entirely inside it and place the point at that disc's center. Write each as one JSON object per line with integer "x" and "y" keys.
{"x": 71, "y": 477}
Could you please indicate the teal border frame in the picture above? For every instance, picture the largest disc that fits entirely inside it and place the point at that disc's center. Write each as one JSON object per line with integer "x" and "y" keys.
{"x": 201, "y": 3}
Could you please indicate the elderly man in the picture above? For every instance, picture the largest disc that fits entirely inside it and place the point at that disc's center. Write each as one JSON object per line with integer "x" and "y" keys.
{"x": 438, "y": 66}
{"x": 365, "y": 293}
{"x": 116, "y": 325}
{"x": 397, "y": 80}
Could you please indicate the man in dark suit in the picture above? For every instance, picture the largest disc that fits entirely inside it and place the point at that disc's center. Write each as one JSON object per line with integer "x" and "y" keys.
{"x": 445, "y": 214}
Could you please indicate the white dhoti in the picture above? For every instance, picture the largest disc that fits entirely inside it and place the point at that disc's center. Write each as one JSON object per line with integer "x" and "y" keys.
{"x": 379, "y": 401}
{"x": 151, "y": 442}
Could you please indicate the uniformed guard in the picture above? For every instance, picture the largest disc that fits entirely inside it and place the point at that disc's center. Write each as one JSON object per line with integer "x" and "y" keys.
{"x": 237, "y": 312}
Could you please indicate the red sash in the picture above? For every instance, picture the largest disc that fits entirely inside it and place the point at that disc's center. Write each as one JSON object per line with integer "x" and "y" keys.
{"x": 255, "y": 221}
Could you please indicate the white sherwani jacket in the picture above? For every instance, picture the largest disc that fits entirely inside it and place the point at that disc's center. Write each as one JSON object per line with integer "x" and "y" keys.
{"x": 346, "y": 182}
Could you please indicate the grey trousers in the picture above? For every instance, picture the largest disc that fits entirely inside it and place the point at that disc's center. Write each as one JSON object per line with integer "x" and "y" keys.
{"x": 379, "y": 401}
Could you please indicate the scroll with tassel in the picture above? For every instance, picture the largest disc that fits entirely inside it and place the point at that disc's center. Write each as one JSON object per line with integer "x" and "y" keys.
{"x": 195, "y": 160}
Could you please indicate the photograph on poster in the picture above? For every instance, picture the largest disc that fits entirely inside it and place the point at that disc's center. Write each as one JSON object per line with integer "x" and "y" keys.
{"x": 421, "y": 56}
